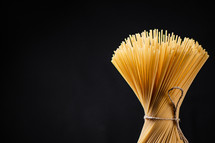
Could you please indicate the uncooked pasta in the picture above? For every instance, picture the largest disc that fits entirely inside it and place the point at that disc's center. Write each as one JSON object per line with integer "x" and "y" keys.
{"x": 159, "y": 67}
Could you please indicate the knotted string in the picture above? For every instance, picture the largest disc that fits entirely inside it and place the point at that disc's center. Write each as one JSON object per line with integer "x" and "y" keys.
{"x": 175, "y": 119}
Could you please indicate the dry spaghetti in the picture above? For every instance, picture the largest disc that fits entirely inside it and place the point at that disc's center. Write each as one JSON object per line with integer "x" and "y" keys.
{"x": 152, "y": 63}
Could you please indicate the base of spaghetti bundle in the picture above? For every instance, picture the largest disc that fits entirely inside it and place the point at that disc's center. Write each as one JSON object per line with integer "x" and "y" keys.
{"x": 176, "y": 120}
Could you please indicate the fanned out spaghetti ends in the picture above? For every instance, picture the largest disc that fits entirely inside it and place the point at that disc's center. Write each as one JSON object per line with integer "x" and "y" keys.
{"x": 152, "y": 63}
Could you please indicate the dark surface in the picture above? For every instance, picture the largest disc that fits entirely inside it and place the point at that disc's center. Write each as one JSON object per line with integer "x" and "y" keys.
{"x": 63, "y": 87}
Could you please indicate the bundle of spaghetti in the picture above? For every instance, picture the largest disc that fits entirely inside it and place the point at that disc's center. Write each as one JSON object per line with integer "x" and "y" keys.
{"x": 152, "y": 63}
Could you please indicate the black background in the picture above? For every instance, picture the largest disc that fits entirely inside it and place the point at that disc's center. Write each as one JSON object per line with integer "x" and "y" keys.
{"x": 62, "y": 86}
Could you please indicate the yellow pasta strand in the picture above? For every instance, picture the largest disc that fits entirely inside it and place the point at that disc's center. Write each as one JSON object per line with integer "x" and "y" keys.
{"x": 152, "y": 63}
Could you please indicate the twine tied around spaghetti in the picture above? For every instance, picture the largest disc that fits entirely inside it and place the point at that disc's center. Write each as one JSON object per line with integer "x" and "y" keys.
{"x": 175, "y": 119}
